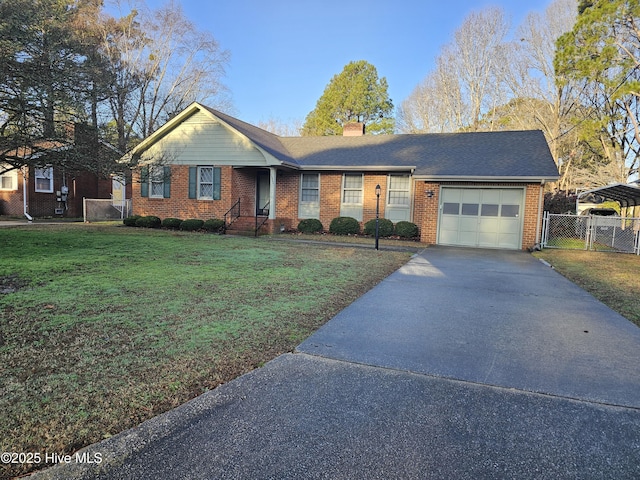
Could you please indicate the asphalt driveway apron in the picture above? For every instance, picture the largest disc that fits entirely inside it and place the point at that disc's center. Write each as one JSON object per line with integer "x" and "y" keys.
{"x": 463, "y": 364}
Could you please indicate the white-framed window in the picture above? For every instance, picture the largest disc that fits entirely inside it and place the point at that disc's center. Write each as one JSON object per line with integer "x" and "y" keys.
{"x": 156, "y": 181}
{"x": 309, "y": 206}
{"x": 398, "y": 207}
{"x": 352, "y": 184}
{"x": 9, "y": 180}
{"x": 310, "y": 189}
{"x": 44, "y": 179}
{"x": 352, "y": 195}
{"x": 208, "y": 183}
{"x": 398, "y": 191}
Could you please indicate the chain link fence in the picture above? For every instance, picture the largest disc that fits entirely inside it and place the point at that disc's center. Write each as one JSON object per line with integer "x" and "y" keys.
{"x": 102, "y": 210}
{"x": 591, "y": 232}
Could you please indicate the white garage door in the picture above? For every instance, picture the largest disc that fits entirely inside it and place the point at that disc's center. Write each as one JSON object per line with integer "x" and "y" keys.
{"x": 481, "y": 217}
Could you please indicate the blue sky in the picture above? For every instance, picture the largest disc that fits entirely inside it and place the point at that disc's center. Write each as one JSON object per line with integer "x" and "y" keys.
{"x": 284, "y": 52}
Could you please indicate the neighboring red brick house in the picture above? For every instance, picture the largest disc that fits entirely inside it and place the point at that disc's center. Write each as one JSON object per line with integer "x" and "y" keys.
{"x": 53, "y": 191}
{"x": 471, "y": 189}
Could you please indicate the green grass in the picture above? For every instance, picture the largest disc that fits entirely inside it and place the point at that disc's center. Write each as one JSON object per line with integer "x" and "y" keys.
{"x": 109, "y": 326}
{"x": 612, "y": 278}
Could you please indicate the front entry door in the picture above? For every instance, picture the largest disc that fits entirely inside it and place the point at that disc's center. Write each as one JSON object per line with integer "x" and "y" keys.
{"x": 262, "y": 193}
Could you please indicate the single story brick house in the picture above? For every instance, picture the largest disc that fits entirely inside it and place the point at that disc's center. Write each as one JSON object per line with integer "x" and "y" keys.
{"x": 480, "y": 189}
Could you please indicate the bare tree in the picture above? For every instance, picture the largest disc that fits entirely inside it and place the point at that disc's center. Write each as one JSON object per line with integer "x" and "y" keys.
{"x": 468, "y": 80}
{"x": 161, "y": 64}
{"x": 281, "y": 128}
{"x": 544, "y": 102}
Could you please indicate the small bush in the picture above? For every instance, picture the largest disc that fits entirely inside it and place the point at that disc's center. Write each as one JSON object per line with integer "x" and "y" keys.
{"x": 150, "y": 221}
{"x": 385, "y": 227}
{"x": 191, "y": 225}
{"x": 344, "y": 226}
{"x": 310, "y": 225}
{"x": 171, "y": 223}
{"x": 213, "y": 225}
{"x": 406, "y": 229}
{"x": 131, "y": 221}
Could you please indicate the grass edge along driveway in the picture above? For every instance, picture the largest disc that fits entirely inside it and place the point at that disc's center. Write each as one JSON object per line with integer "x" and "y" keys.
{"x": 613, "y": 278}
{"x": 102, "y": 328}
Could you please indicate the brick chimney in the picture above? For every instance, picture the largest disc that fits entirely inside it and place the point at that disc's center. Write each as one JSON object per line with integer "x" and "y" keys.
{"x": 353, "y": 129}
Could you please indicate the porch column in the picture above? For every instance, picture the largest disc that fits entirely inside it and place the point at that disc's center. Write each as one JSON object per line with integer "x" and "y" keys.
{"x": 272, "y": 192}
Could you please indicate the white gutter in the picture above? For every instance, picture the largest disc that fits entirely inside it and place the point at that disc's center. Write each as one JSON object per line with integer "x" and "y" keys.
{"x": 24, "y": 195}
{"x": 483, "y": 178}
{"x": 359, "y": 168}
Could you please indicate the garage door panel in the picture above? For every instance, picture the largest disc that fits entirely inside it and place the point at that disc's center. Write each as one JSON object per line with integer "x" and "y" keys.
{"x": 489, "y": 217}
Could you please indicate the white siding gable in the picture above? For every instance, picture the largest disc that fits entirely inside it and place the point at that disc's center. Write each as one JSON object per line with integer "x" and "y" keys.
{"x": 201, "y": 139}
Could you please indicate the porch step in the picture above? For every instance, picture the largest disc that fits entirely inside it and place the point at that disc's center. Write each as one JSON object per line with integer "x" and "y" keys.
{"x": 246, "y": 226}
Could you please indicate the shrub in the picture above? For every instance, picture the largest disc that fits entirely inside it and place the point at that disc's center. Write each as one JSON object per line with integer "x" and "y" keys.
{"x": 310, "y": 225}
{"x": 559, "y": 202}
{"x": 213, "y": 225}
{"x": 344, "y": 226}
{"x": 171, "y": 223}
{"x": 385, "y": 227}
{"x": 191, "y": 225}
{"x": 150, "y": 221}
{"x": 131, "y": 221}
{"x": 406, "y": 229}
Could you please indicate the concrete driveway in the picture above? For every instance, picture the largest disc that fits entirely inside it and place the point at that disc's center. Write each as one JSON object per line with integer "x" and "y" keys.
{"x": 490, "y": 317}
{"x": 463, "y": 364}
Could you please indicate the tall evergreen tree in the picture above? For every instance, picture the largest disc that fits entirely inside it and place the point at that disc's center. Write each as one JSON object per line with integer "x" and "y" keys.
{"x": 602, "y": 52}
{"x": 356, "y": 94}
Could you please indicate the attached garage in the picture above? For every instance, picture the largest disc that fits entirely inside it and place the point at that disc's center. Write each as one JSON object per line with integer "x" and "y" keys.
{"x": 481, "y": 217}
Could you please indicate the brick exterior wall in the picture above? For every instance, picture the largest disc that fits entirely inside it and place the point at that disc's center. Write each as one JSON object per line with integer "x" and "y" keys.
{"x": 180, "y": 205}
{"x": 425, "y": 210}
{"x": 241, "y": 183}
{"x": 532, "y": 218}
{"x": 11, "y": 201}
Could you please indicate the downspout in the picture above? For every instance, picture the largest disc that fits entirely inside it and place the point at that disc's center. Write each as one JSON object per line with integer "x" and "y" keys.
{"x": 24, "y": 195}
{"x": 540, "y": 212}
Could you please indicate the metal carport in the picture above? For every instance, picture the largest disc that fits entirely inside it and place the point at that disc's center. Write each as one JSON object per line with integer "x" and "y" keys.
{"x": 627, "y": 195}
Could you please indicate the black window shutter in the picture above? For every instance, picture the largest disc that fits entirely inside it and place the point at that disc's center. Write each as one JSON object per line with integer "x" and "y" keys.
{"x": 144, "y": 182}
{"x": 193, "y": 178}
{"x": 167, "y": 182}
{"x": 216, "y": 183}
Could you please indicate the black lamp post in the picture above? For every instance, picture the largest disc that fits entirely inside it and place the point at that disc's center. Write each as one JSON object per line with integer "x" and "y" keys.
{"x": 377, "y": 212}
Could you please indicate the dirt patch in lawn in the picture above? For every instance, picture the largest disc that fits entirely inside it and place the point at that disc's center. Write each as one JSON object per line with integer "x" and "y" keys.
{"x": 11, "y": 283}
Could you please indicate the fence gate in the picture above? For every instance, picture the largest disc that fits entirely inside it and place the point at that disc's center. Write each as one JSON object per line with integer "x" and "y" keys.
{"x": 591, "y": 232}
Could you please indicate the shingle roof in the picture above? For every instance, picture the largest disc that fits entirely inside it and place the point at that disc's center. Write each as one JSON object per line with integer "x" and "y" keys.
{"x": 266, "y": 140}
{"x": 480, "y": 154}
{"x": 504, "y": 154}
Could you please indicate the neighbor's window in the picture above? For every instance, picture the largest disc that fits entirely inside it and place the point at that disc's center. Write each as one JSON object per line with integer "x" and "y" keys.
{"x": 399, "y": 190}
{"x": 9, "y": 180}
{"x": 352, "y": 188}
{"x": 44, "y": 179}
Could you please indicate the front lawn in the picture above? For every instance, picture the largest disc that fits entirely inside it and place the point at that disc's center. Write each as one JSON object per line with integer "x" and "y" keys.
{"x": 103, "y": 327}
{"x": 613, "y": 278}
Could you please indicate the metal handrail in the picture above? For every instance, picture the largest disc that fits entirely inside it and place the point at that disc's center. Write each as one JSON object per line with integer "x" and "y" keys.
{"x": 234, "y": 217}
{"x": 262, "y": 214}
